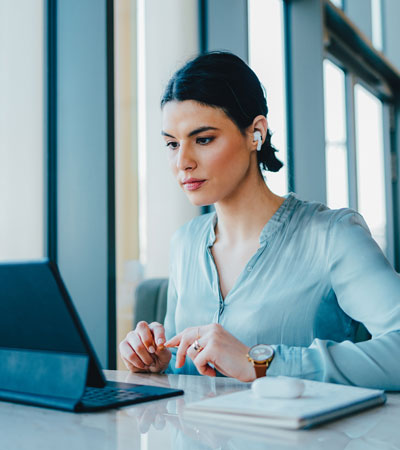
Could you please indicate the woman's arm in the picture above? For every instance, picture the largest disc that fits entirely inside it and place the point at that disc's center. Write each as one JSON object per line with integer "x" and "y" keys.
{"x": 368, "y": 290}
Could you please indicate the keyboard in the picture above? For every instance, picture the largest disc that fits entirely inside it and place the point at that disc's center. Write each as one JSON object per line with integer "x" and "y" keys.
{"x": 116, "y": 394}
{"x": 106, "y": 397}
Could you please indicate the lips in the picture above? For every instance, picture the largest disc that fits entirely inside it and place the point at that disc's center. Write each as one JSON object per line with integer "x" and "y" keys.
{"x": 192, "y": 184}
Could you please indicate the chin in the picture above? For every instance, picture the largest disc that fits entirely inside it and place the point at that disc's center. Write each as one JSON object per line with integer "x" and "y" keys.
{"x": 200, "y": 200}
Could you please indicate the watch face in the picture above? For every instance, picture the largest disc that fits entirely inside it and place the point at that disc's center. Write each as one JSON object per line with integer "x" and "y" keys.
{"x": 261, "y": 352}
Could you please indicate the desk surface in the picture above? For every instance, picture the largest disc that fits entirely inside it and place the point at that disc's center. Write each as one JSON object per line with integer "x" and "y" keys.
{"x": 158, "y": 425}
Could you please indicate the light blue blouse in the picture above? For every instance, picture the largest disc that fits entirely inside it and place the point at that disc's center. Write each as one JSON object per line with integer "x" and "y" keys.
{"x": 316, "y": 274}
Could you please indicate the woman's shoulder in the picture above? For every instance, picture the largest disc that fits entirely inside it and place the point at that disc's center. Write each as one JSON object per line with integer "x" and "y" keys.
{"x": 319, "y": 214}
{"x": 315, "y": 221}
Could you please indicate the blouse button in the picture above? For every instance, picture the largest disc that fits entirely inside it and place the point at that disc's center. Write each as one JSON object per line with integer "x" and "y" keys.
{"x": 249, "y": 268}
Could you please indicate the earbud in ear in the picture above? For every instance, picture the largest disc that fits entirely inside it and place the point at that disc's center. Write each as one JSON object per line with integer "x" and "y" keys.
{"x": 258, "y": 138}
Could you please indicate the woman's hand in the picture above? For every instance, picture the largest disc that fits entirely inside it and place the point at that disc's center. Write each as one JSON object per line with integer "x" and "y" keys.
{"x": 143, "y": 348}
{"x": 217, "y": 347}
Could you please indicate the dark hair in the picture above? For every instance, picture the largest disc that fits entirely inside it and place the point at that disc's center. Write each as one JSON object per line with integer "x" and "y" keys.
{"x": 223, "y": 80}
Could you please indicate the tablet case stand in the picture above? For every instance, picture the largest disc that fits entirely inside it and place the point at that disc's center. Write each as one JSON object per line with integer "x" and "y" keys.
{"x": 50, "y": 379}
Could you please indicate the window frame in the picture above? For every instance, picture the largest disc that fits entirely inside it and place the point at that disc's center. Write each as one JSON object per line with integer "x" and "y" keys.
{"x": 346, "y": 47}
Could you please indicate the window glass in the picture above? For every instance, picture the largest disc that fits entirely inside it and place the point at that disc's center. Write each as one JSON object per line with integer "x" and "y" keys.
{"x": 335, "y": 137}
{"x": 370, "y": 164}
{"x": 129, "y": 269}
{"x": 376, "y": 18}
{"x": 338, "y": 3}
{"x": 152, "y": 40}
{"x": 266, "y": 58}
{"x": 21, "y": 130}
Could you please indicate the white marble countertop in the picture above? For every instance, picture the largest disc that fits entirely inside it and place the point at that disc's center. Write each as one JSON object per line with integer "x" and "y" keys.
{"x": 159, "y": 425}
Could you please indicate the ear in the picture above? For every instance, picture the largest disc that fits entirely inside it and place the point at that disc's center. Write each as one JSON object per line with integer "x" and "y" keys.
{"x": 259, "y": 124}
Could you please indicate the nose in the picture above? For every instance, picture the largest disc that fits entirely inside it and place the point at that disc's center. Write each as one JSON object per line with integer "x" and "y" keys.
{"x": 185, "y": 159}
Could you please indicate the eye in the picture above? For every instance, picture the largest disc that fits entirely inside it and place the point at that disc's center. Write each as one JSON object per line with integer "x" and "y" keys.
{"x": 204, "y": 140}
{"x": 173, "y": 145}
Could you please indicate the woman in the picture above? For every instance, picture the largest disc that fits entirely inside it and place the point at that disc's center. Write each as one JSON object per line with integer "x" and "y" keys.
{"x": 277, "y": 276}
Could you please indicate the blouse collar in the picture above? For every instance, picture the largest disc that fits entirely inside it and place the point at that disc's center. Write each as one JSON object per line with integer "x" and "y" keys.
{"x": 274, "y": 223}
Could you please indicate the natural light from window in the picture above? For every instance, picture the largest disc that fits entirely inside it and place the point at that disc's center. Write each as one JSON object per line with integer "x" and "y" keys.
{"x": 266, "y": 58}
{"x": 22, "y": 162}
{"x": 370, "y": 163}
{"x": 335, "y": 137}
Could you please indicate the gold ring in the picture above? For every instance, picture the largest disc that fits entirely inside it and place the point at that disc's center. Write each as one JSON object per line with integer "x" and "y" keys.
{"x": 196, "y": 346}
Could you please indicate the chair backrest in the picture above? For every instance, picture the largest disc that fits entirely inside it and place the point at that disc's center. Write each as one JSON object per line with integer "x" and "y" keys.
{"x": 150, "y": 303}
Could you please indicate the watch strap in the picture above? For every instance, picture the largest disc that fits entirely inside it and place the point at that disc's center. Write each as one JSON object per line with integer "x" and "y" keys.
{"x": 261, "y": 370}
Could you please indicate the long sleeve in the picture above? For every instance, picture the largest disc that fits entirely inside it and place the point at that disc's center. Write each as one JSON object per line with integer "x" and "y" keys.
{"x": 368, "y": 290}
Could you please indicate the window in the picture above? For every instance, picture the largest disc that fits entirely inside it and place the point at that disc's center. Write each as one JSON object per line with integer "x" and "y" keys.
{"x": 335, "y": 137}
{"x": 366, "y": 90}
{"x": 150, "y": 206}
{"x": 376, "y": 19}
{"x": 267, "y": 61}
{"x": 21, "y": 130}
{"x": 338, "y": 3}
{"x": 370, "y": 163}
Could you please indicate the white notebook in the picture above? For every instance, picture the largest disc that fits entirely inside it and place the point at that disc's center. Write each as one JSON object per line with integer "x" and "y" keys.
{"x": 320, "y": 402}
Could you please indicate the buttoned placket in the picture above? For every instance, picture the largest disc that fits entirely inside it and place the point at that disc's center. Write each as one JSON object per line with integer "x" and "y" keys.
{"x": 216, "y": 287}
{"x": 245, "y": 272}
{"x": 265, "y": 237}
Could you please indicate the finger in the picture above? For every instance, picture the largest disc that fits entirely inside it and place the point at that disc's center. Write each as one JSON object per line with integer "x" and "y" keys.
{"x": 192, "y": 353}
{"x": 159, "y": 334}
{"x": 174, "y": 341}
{"x": 141, "y": 351}
{"x": 202, "y": 360}
{"x": 186, "y": 341}
{"x": 128, "y": 365}
{"x": 146, "y": 336}
{"x": 132, "y": 367}
{"x": 208, "y": 370}
{"x": 129, "y": 355}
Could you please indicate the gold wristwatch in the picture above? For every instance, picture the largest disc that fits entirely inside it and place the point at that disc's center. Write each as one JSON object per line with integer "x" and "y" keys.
{"x": 260, "y": 356}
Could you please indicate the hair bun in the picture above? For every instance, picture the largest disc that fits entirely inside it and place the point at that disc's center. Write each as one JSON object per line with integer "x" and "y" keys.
{"x": 267, "y": 158}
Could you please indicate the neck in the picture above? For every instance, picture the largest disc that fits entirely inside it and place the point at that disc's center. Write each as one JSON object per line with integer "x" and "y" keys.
{"x": 243, "y": 215}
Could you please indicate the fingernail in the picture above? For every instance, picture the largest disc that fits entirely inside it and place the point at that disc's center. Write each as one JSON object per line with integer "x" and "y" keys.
{"x": 160, "y": 341}
{"x": 151, "y": 349}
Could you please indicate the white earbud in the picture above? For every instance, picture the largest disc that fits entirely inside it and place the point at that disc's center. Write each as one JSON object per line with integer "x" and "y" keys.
{"x": 258, "y": 138}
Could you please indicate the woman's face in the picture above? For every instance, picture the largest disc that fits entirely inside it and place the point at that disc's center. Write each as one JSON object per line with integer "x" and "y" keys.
{"x": 208, "y": 154}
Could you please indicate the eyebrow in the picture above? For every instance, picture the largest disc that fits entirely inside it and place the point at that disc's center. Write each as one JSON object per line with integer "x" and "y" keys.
{"x": 192, "y": 133}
